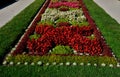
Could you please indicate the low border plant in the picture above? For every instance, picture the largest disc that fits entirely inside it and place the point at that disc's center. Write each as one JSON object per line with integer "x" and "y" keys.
{"x": 57, "y": 59}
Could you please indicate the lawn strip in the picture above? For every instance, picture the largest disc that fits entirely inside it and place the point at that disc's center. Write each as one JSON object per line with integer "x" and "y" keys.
{"x": 107, "y": 25}
{"x": 12, "y": 31}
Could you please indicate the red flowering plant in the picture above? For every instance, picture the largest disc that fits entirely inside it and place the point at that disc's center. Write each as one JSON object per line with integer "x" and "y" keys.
{"x": 85, "y": 45}
{"x": 73, "y": 36}
{"x": 68, "y": 4}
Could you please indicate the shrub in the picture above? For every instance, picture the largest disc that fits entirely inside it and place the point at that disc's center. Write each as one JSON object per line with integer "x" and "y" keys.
{"x": 60, "y": 49}
{"x": 75, "y": 23}
{"x": 34, "y": 36}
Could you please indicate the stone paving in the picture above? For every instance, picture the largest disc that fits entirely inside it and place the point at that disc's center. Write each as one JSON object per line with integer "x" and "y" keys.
{"x": 8, "y": 12}
{"x": 112, "y": 7}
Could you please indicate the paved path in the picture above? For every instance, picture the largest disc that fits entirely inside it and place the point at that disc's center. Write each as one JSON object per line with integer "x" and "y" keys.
{"x": 112, "y": 7}
{"x": 7, "y": 13}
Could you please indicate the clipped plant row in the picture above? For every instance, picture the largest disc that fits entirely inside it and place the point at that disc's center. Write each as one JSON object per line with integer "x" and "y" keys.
{"x": 57, "y": 59}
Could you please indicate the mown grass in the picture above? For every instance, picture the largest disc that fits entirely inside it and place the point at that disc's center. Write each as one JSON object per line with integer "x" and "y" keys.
{"x": 107, "y": 25}
{"x": 58, "y": 71}
{"x": 12, "y": 31}
{"x": 108, "y": 28}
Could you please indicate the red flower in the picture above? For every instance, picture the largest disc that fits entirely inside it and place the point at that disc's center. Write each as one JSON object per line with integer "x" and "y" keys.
{"x": 74, "y": 37}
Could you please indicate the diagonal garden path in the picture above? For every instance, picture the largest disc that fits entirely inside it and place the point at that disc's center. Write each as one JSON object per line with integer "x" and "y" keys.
{"x": 7, "y": 13}
{"x": 112, "y": 7}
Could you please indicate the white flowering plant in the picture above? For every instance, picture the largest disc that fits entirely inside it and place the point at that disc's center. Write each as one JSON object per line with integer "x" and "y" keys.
{"x": 73, "y": 16}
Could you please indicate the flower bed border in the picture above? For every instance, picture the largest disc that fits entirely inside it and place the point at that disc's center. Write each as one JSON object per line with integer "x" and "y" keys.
{"x": 98, "y": 33}
{"x": 22, "y": 43}
{"x": 57, "y": 60}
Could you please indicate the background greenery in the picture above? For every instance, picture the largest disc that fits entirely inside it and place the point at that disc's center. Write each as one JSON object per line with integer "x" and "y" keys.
{"x": 62, "y": 59}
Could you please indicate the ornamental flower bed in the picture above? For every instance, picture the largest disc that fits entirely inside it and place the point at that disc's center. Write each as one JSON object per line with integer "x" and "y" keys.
{"x": 62, "y": 28}
{"x": 75, "y": 37}
{"x": 73, "y": 16}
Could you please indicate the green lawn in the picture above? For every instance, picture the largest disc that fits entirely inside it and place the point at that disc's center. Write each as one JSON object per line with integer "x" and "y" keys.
{"x": 15, "y": 28}
{"x": 107, "y": 25}
{"x": 58, "y": 71}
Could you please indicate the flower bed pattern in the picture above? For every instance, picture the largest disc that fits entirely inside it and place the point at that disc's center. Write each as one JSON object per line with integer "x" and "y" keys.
{"x": 67, "y": 26}
{"x": 75, "y": 37}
